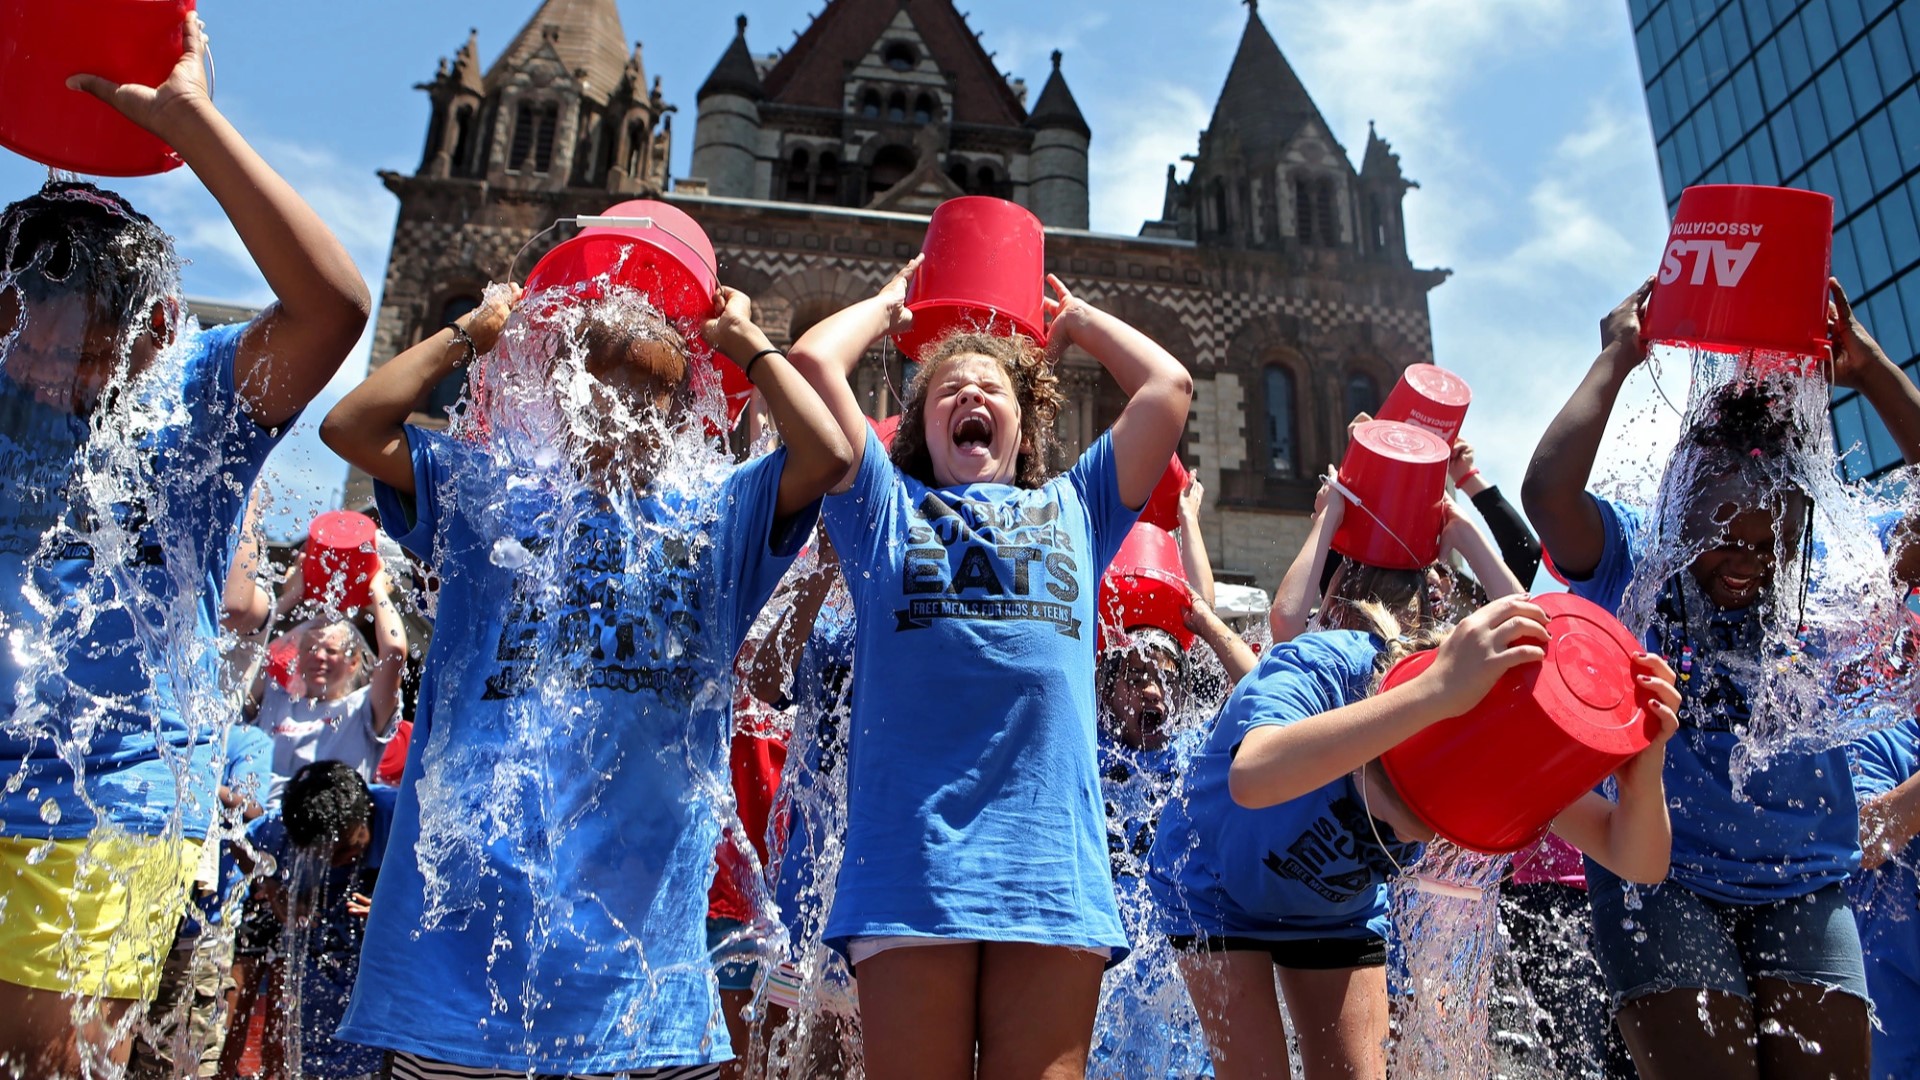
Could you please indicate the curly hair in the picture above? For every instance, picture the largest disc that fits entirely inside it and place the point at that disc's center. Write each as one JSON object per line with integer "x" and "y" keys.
{"x": 324, "y": 803}
{"x": 1035, "y": 388}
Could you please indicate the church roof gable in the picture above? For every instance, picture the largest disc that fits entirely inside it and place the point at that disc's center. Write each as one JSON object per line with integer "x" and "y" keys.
{"x": 583, "y": 35}
{"x": 736, "y": 73}
{"x": 1055, "y": 107}
{"x": 1263, "y": 104}
{"x": 813, "y": 71}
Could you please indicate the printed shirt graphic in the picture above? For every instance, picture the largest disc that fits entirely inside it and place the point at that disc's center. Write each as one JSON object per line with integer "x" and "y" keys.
{"x": 1795, "y": 828}
{"x": 1886, "y": 901}
{"x": 973, "y": 799}
{"x": 554, "y": 837}
{"x": 200, "y": 462}
{"x": 1308, "y": 868}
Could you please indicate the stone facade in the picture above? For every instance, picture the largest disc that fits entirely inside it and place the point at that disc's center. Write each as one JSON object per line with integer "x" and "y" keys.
{"x": 1277, "y": 272}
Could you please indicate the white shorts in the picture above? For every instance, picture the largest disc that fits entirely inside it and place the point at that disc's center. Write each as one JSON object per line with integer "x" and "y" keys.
{"x": 862, "y": 949}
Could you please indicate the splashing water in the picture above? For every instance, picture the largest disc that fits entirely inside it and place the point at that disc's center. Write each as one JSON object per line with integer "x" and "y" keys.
{"x": 1832, "y": 660}
{"x": 1446, "y": 927}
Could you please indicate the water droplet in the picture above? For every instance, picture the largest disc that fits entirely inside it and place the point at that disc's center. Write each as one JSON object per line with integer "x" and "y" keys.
{"x": 510, "y": 554}
{"x": 50, "y": 812}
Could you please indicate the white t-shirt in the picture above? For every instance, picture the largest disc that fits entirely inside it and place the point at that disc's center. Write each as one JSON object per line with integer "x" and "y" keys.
{"x": 305, "y": 731}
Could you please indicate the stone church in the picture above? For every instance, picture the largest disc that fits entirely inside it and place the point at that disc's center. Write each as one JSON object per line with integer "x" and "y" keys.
{"x": 1277, "y": 271}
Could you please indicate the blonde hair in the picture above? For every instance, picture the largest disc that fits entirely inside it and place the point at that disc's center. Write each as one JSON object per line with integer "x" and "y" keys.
{"x": 1035, "y": 388}
{"x": 356, "y": 645}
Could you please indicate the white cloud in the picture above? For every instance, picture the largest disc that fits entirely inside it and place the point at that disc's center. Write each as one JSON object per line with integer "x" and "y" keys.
{"x": 1128, "y": 167}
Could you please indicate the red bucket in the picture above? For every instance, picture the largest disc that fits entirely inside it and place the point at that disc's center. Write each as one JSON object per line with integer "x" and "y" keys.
{"x": 670, "y": 260}
{"x": 985, "y": 269}
{"x": 1145, "y": 585}
{"x": 341, "y": 559}
{"x": 1429, "y": 397}
{"x": 1745, "y": 269}
{"x": 1492, "y": 779}
{"x": 886, "y": 429}
{"x": 1395, "y": 477}
{"x": 42, "y": 42}
{"x": 1163, "y": 506}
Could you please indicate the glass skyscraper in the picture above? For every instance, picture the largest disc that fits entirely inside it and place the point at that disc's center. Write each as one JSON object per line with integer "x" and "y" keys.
{"x": 1815, "y": 94}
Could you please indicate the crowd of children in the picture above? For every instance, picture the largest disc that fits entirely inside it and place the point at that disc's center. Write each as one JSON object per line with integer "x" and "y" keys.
{"x": 949, "y": 816}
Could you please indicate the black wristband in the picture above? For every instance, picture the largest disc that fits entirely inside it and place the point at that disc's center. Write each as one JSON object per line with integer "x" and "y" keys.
{"x": 461, "y": 336}
{"x": 755, "y": 358}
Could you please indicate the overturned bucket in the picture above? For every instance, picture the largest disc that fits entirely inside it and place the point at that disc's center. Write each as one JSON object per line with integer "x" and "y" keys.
{"x": 1430, "y": 397}
{"x": 985, "y": 270}
{"x": 1145, "y": 585}
{"x": 1395, "y": 480}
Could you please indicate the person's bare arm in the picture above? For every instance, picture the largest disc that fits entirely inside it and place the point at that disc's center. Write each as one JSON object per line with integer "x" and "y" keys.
{"x": 390, "y": 662}
{"x": 1460, "y": 535}
{"x": 817, "y": 452}
{"x": 1555, "y": 491}
{"x": 1159, "y": 390}
{"x": 369, "y": 426}
{"x": 1236, "y": 656}
{"x": 827, "y": 354}
{"x": 1889, "y": 822}
{"x": 321, "y": 303}
{"x": 1300, "y": 587}
{"x": 1193, "y": 546}
{"x": 245, "y": 605}
{"x": 1634, "y": 837}
{"x": 775, "y": 659}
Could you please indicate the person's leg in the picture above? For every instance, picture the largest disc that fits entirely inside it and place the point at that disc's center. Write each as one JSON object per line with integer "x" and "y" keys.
{"x": 1688, "y": 1034}
{"x": 1811, "y": 1032}
{"x": 1239, "y": 1008}
{"x": 1810, "y": 986}
{"x": 242, "y": 998}
{"x": 40, "y": 1038}
{"x": 918, "y": 1011}
{"x": 1340, "y": 1016}
{"x": 733, "y": 1007}
{"x": 1036, "y": 1010}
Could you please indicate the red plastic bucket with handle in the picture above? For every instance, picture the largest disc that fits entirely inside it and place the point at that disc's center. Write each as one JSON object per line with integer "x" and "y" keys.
{"x": 985, "y": 269}
{"x": 1145, "y": 585}
{"x": 1163, "y": 506}
{"x": 1395, "y": 480}
{"x": 341, "y": 559}
{"x": 43, "y": 42}
{"x": 1429, "y": 397}
{"x": 669, "y": 259}
{"x": 1745, "y": 269}
{"x": 1492, "y": 779}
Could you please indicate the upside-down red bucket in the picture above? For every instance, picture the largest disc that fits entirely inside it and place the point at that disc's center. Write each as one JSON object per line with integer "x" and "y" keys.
{"x": 1492, "y": 779}
{"x": 985, "y": 269}
{"x": 43, "y": 42}
{"x": 1429, "y": 397}
{"x": 669, "y": 259}
{"x": 1395, "y": 476}
{"x": 1145, "y": 585}
{"x": 341, "y": 559}
{"x": 1745, "y": 269}
{"x": 1163, "y": 506}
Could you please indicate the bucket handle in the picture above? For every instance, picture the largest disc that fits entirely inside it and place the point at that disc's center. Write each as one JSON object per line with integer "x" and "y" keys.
{"x": 1333, "y": 480}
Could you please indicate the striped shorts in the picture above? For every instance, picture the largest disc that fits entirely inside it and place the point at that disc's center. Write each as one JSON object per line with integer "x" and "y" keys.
{"x": 410, "y": 1067}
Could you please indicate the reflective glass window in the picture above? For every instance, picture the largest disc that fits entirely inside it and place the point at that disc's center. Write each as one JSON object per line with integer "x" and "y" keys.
{"x": 1649, "y": 60}
{"x": 1662, "y": 22}
{"x": 1896, "y": 220}
{"x": 1883, "y": 155}
{"x": 1845, "y": 266}
{"x": 1909, "y": 289}
{"x": 1870, "y": 247}
{"x": 1855, "y": 185}
{"x": 1793, "y": 54}
{"x": 1773, "y": 81}
{"x": 1726, "y": 113}
{"x": 1882, "y": 451}
{"x": 1713, "y": 54}
{"x": 1835, "y": 103}
{"x": 1786, "y": 143}
{"x": 1735, "y": 33}
{"x": 1890, "y": 55}
{"x": 1819, "y": 30}
{"x": 1760, "y": 157}
{"x": 1746, "y": 90}
{"x": 1657, "y": 111}
{"x": 1910, "y": 26}
{"x": 1676, "y": 95}
{"x": 1282, "y": 425}
{"x": 1846, "y": 18}
{"x": 1904, "y": 112}
{"x": 1863, "y": 80}
{"x": 1670, "y": 168}
{"x": 1888, "y": 326}
{"x": 1759, "y": 19}
{"x": 1848, "y": 433}
{"x": 1689, "y": 151}
{"x": 1812, "y": 125}
{"x": 1707, "y": 129}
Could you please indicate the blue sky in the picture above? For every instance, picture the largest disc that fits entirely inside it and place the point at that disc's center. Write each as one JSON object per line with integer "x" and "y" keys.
{"x": 1522, "y": 120}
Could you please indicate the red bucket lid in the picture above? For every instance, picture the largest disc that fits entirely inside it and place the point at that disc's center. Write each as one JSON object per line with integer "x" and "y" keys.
{"x": 1429, "y": 397}
{"x": 1395, "y": 476}
{"x": 1145, "y": 585}
{"x": 341, "y": 558}
{"x": 43, "y": 42}
{"x": 1745, "y": 268}
{"x": 985, "y": 269}
{"x": 1163, "y": 506}
{"x": 1493, "y": 778}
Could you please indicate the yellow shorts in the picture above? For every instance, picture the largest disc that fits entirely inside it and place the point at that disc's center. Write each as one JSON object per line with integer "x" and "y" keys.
{"x": 95, "y": 916}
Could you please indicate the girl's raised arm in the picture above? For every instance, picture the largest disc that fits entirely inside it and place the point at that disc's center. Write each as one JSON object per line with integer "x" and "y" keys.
{"x": 1158, "y": 388}
{"x": 827, "y": 354}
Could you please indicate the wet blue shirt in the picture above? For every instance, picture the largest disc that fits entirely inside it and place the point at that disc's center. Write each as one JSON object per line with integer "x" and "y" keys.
{"x": 1314, "y": 867}
{"x": 333, "y": 939}
{"x": 1886, "y": 901}
{"x": 143, "y": 677}
{"x": 1796, "y": 829}
{"x": 973, "y": 799}
{"x": 543, "y": 906}
{"x": 815, "y": 777}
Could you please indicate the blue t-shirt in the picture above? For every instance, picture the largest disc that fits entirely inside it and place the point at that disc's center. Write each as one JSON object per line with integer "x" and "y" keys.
{"x": 973, "y": 797}
{"x": 1797, "y": 829}
{"x": 142, "y": 678}
{"x": 1886, "y": 901}
{"x": 1314, "y": 867}
{"x": 554, "y": 838}
{"x": 813, "y": 814}
{"x": 333, "y": 938}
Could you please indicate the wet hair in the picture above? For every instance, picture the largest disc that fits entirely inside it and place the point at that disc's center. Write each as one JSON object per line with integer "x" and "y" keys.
{"x": 1141, "y": 640}
{"x": 72, "y": 238}
{"x": 616, "y": 330}
{"x": 1035, "y": 388}
{"x": 324, "y": 803}
{"x": 1746, "y": 431}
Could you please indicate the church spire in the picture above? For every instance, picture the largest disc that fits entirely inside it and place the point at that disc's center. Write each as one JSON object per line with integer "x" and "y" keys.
{"x": 1056, "y": 107}
{"x": 585, "y": 34}
{"x": 736, "y": 73}
{"x": 1263, "y": 103}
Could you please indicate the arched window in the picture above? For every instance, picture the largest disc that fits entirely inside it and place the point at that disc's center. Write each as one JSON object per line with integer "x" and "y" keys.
{"x": 986, "y": 182}
{"x": 900, "y": 56}
{"x": 446, "y": 393}
{"x": 797, "y": 176}
{"x": 1219, "y": 204}
{"x": 870, "y": 104}
{"x": 897, "y": 106}
{"x": 523, "y": 124}
{"x": 1325, "y": 213}
{"x": 462, "y": 136}
{"x": 923, "y": 109}
{"x": 1362, "y": 393}
{"x": 826, "y": 182}
{"x": 1303, "y": 219}
{"x": 890, "y": 166}
{"x": 957, "y": 172}
{"x": 1283, "y": 425}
